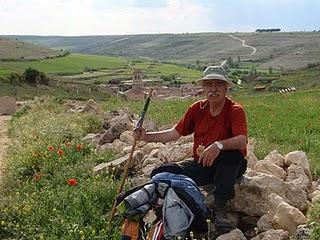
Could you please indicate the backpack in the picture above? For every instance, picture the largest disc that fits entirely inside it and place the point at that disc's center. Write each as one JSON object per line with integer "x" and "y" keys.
{"x": 133, "y": 230}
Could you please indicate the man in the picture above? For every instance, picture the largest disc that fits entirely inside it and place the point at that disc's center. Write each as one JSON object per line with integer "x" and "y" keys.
{"x": 220, "y": 139}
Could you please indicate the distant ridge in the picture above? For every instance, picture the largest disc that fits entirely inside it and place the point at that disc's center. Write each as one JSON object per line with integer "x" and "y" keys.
{"x": 13, "y": 50}
{"x": 285, "y": 50}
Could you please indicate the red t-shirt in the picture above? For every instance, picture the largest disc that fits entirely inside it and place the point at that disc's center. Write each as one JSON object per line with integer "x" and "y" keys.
{"x": 207, "y": 129}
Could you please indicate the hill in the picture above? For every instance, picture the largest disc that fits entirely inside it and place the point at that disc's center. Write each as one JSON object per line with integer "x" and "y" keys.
{"x": 11, "y": 50}
{"x": 281, "y": 50}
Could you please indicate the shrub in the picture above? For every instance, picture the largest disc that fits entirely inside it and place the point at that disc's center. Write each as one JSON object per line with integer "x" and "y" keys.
{"x": 30, "y": 75}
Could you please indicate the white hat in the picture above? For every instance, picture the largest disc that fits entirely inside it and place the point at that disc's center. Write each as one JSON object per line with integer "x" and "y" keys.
{"x": 215, "y": 73}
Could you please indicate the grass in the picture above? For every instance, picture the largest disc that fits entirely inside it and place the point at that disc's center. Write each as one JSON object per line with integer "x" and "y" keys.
{"x": 73, "y": 68}
{"x": 56, "y": 89}
{"x": 74, "y": 63}
{"x": 50, "y": 191}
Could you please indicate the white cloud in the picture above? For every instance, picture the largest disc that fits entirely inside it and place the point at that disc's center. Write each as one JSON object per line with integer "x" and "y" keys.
{"x": 99, "y": 17}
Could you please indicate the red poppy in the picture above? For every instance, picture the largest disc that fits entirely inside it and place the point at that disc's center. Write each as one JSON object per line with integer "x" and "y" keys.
{"x": 67, "y": 144}
{"x": 36, "y": 177}
{"x": 79, "y": 147}
{"x": 60, "y": 152}
{"x": 72, "y": 182}
{"x": 50, "y": 148}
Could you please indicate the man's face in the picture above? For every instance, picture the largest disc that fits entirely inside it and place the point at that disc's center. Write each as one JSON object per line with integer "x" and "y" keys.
{"x": 214, "y": 90}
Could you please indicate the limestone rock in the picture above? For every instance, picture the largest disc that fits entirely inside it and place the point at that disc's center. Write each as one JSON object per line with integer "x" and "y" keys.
{"x": 127, "y": 137}
{"x": 303, "y": 232}
{"x": 264, "y": 223}
{"x": 85, "y": 107}
{"x": 288, "y": 218}
{"x": 299, "y": 158}
{"x": 175, "y": 153}
{"x": 254, "y": 191}
{"x": 297, "y": 176}
{"x": 251, "y": 157}
{"x": 151, "y": 146}
{"x": 91, "y": 138}
{"x": 273, "y": 235}
{"x": 235, "y": 234}
{"x": 264, "y": 166}
{"x": 276, "y": 158}
{"x": 118, "y": 125}
{"x": 7, "y": 105}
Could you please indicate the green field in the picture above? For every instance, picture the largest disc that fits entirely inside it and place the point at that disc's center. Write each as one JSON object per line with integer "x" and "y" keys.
{"x": 74, "y": 63}
{"x": 113, "y": 67}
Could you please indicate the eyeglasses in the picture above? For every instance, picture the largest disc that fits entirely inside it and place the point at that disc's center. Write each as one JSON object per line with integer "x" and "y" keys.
{"x": 214, "y": 84}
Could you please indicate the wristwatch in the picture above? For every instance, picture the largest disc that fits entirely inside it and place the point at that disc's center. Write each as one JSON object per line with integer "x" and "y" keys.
{"x": 219, "y": 145}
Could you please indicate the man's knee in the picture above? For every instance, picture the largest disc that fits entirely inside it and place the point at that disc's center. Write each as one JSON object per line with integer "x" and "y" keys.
{"x": 166, "y": 167}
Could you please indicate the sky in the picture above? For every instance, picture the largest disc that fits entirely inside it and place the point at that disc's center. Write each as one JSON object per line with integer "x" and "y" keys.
{"x": 121, "y": 17}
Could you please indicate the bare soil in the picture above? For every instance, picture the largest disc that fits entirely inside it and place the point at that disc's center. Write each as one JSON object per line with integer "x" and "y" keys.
{"x": 4, "y": 142}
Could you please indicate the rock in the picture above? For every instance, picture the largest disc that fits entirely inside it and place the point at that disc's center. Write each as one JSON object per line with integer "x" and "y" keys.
{"x": 235, "y": 234}
{"x": 303, "y": 232}
{"x": 127, "y": 137}
{"x": 117, "y": 127}
{"x": 316, "y": 199}
{"x": 91, "y": 138}
{"x": 276, "y": 158}
{"x": 118, "y": 163}
{"x": 117, "y": 146}
{"x": 175, "y": 153}
{"x": 264, "y": 166}
{"x": 151, "y": 160}
{"x": 299, "y": 158}
{"x": 7, "y": 105}
{"x": 313, "y": 194}
{"x": 297, "y": 177}
{"x": 251, "y": 157}
{"x": 151, "y": 146}
{"x": 288, "y": 218}
{"x": 264, "y": 223}
{"x": 148, "y": 169}
{"x": 273, "y": 235}
{"x": 85, "y": 107}
{"x": 254, "y": 191}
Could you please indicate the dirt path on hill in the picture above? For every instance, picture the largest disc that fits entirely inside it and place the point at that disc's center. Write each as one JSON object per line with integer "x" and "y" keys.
{"x": 243, "y": 44}
{"x": 4, "y": 142}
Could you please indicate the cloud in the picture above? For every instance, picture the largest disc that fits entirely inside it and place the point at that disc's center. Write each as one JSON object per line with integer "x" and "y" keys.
{"x": 100, "y": 17}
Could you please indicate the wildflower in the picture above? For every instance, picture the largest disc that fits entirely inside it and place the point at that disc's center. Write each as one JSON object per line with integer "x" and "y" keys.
{"x": 67, "y": 144}
{"x": 72, "y": 182}
{"x": 36, "y": 177}
{"x": 79, "y": 147}
{"x": 50, "y": 148}
{"x": 60, "y": 152}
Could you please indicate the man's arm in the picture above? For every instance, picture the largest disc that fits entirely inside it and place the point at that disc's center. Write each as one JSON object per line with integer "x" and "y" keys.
{"x": 237, "y": 142}
{"x": 161, "y": 136}
{"x": 208, "y": 156}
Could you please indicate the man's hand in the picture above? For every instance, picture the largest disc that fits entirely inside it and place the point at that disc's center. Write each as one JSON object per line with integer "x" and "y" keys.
{"x": 140, "y": 134}
{"x": 208, "y": 156}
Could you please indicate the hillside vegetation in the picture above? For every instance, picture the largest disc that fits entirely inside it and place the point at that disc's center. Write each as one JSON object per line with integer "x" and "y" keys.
{"x": 288, "y": 50}
{"x": 12, "y": 50}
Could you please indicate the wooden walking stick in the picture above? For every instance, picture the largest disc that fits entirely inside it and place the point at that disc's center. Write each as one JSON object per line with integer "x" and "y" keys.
{"x": 125, "y": 173}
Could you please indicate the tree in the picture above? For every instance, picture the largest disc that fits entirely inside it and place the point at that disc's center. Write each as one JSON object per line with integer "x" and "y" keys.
{"x": 33, "y": 76}
{"x": 30, "y": 75}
